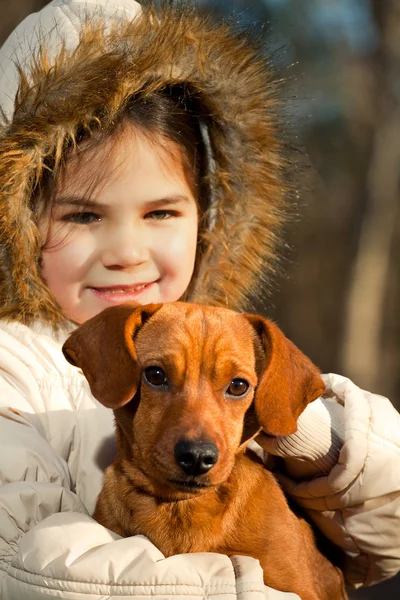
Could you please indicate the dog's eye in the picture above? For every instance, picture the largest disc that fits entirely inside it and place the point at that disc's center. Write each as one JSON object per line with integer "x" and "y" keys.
{"x": 155, "y": 376}
{"x": 237, "y": 387}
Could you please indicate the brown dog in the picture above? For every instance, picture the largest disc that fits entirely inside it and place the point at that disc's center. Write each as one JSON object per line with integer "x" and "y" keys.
{"x": 190, "y": 386}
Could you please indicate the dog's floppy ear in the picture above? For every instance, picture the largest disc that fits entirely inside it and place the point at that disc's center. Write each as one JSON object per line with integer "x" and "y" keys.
{"x": 288, "y": 380}
{"x": 103, "y": 348}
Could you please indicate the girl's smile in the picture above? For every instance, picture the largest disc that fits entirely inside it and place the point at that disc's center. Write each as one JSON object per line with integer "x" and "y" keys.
{"x": 120, "y": 293}
{"x": 132, "y": 238}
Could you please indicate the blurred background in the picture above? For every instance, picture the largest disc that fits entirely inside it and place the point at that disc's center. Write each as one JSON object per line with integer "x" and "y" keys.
{"x": 338, "y": 298}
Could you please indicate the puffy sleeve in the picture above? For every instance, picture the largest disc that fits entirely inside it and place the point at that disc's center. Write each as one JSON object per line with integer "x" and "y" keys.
{"x": 356, "y": 502}
{"x": 50, "y": 547}
{"x": 63, "y": 553}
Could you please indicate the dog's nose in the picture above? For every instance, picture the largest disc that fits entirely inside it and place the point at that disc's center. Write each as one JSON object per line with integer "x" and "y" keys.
{"x": 195, "y": 458}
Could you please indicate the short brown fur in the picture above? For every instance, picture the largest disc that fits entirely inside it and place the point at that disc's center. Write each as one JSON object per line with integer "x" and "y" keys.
{"x": 236, "y": 507}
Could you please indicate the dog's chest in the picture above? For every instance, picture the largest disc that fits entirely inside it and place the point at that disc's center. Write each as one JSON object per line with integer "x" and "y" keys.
{"x": 178, "y": 527}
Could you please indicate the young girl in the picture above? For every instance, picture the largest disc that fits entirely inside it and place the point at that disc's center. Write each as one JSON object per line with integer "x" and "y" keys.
{"x": 140, "y": 159}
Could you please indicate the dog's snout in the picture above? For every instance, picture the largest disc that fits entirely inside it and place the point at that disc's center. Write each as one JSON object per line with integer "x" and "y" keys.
{"x": 195, "y": 458}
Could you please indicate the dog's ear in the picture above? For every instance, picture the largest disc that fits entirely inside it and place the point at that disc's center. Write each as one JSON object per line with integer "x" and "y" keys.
{"x": 103, "y": 348}
{"x": 288, "y": 380}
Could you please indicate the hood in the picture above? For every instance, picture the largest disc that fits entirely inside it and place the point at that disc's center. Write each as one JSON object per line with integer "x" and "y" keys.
{"x": 82, "y": 70}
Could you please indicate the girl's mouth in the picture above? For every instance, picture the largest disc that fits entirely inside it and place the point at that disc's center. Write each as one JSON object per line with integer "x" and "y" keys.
{"x": 121, "y": 294}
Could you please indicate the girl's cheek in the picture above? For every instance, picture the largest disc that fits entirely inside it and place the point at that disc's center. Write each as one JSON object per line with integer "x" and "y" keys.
{"x": 67, "y": 259}
{"x": 180, "y": 249}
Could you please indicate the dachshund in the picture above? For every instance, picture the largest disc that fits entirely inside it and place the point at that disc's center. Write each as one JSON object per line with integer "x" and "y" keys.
{"x": 190, "y": 386}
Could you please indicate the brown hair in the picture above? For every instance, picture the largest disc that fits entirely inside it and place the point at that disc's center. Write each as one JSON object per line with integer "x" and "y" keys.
{"x": 162, "y": 116}
{"x": 174, "y": 115}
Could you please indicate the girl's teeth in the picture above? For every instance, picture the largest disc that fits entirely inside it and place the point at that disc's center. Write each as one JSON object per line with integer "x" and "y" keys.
{"x": 124, "y": 291}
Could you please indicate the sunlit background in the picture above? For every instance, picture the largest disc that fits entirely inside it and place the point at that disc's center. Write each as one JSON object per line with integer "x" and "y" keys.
{"x": 338, "y": 295}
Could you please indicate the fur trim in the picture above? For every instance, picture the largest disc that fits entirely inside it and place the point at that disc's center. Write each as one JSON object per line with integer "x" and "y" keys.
{"x": 91, "y": 85}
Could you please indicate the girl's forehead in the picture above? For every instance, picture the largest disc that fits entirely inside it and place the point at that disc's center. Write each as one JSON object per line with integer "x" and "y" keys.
{"x": 130, "y": 155}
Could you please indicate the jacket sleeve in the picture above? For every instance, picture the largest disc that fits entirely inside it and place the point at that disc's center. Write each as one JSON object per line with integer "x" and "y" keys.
{"x": 356, "y": 504}
{"x": 50, "y": 547}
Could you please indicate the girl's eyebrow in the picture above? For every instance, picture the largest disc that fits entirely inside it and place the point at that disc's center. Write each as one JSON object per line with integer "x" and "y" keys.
{"x": 74, "y": 201}
{"x": 90, "y": 202}
{"x": 175, "y": 199}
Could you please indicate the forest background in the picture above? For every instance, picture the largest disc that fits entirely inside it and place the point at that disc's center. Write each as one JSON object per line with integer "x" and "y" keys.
{"x": 338, "y": 294}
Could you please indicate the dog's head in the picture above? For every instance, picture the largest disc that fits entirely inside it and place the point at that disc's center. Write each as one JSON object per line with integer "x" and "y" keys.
{"x": 190, "y": 385}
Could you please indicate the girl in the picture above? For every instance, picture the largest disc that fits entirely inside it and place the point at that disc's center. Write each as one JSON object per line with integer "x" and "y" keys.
{"x": 140, "y": 159}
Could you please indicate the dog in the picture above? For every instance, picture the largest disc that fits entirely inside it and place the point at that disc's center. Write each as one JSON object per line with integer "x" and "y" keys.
{"x": 190, "y": 386}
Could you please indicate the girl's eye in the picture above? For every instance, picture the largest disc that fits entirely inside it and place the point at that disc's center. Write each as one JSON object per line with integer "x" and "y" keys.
{"x": 155, "y": 376}
{"x": 238, "y": 387}
{"x": 81, "y": 218}
{"x": 160, "y": 215}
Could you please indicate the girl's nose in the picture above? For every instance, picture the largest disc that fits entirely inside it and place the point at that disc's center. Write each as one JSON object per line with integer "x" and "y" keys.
{"x": 125, "y": 247}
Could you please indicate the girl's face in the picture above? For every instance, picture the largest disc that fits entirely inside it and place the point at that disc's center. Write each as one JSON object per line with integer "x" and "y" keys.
{"x": 133, "y": 239}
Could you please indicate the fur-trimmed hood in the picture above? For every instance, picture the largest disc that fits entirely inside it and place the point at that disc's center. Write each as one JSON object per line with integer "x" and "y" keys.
{"x": 71, "y": 84}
